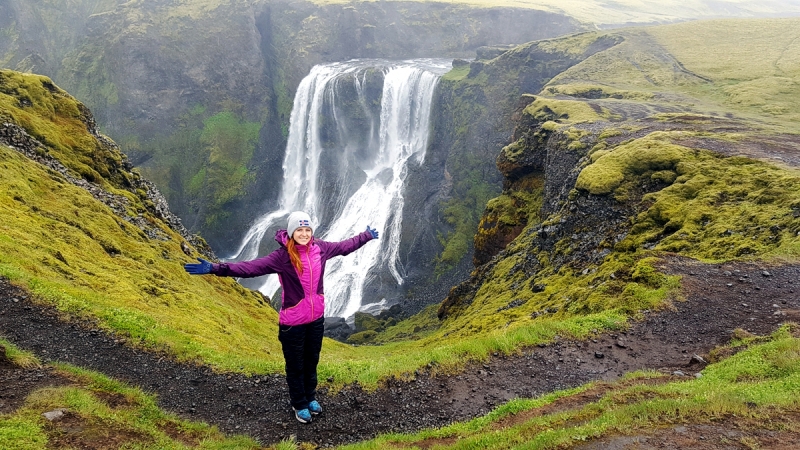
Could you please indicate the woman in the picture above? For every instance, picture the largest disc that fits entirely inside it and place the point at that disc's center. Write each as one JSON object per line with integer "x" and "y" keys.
{"x": 300, "y": 265}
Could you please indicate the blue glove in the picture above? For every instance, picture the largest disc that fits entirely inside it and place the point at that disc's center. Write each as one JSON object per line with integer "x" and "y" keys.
{"x": 373, "y": 232}
{"x": 198, "y": 269}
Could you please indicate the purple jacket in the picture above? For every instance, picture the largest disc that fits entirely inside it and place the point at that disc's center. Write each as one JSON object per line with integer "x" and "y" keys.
{"x": 303, "y": 299}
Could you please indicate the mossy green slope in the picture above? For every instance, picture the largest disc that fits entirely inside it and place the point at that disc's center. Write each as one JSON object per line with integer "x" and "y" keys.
{"x": 73, "y": 250}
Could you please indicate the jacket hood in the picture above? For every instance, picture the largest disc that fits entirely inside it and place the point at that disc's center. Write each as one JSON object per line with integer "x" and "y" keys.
{"x": 281, "y": 237}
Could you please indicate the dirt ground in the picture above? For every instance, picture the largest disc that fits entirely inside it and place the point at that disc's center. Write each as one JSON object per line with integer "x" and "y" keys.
{"x": 719, "y": 298}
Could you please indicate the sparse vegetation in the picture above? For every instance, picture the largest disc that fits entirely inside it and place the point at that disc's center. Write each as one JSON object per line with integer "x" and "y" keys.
{"x": 754, "y": 389}
{"x": 99, "y": 412}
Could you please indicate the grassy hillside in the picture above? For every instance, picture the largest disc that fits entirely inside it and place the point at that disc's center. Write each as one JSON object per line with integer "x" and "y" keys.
{"x": 88, "y": 242}
{"x": 753, "y": 74}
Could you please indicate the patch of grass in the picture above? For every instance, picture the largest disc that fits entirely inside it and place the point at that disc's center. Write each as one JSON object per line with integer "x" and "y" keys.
{"x": 456, "y": 73}
{"x": 563, "y": 110}
{"x": 415, "y": 327}
{"x": 100, "y": 412}
{"x": 18, "y": 433}
{"x": 24, "y": 359}
{"x": 758, "y": 384}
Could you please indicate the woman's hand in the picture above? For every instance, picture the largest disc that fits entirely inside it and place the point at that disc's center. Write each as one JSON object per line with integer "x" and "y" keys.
{"x": 373, "y": 232}
{"x": 198, "y": 269}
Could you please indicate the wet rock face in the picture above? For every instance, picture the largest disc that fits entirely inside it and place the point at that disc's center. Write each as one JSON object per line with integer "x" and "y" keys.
{"x": 522, "y": 164}
{"x": 493, "y": 236}
{"x": 588, "y": 225}
{"x": 527, "y": 152}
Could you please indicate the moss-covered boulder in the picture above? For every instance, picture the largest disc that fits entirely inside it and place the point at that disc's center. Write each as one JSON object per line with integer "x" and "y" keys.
{"x": 362, "y": 337}
{"x": 367, "y": 322}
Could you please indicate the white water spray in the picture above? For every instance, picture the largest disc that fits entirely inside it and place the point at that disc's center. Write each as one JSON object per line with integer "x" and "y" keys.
{"x": 403, "y": 134}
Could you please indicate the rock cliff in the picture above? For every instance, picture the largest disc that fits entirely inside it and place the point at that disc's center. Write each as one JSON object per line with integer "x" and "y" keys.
{"x": 164, "y": 77}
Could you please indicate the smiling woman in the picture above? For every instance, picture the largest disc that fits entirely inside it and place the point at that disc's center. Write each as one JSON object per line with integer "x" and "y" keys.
{"x": 300, "y": 265}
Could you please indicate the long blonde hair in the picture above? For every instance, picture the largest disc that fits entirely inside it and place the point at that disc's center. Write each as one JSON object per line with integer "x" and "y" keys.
{"x": 294, "y": 255}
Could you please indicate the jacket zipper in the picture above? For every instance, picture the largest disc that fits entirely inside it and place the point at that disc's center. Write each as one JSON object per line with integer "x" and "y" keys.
{"x": 310, "y": 280}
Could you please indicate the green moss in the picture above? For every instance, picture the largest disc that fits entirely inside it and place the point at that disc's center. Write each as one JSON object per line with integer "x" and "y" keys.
{"x": 55, "y": 119}
{"x": 456, "y": 73}
{"x": 575, "y": 45}
{"x": 463, "y": 212}
{"x": 610, "y": 168}
{"x": 516, "y": 207}
{"x": 367, "y": 322}
{"x": 550, "y": 126}
{"x": 571, "y": 111}
{"x": 609, "y": 132}
{"x": 722, "y": 208}
{"x": 415, "y": 327}
{"x": 231, "y": 142}
{"x": 513, "y": 150}
{"x": 362, "y": 337}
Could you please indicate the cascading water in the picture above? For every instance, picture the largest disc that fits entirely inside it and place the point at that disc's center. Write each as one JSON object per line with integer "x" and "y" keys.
{"x": 343, "y": 168}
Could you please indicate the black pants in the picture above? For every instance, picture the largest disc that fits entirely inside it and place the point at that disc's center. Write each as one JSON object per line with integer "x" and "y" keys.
{"x": 301, "y": 346}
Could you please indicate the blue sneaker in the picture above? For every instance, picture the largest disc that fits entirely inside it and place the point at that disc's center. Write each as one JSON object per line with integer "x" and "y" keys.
{"x": 302, "y": 415}
{"x": 314, "y": 407}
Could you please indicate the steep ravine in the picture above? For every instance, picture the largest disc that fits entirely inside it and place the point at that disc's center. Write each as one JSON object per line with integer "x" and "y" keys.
{"x": 161, "y": 77}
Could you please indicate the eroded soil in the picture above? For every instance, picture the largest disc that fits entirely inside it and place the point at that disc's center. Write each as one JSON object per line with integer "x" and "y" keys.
{"x": 718, "y": 299}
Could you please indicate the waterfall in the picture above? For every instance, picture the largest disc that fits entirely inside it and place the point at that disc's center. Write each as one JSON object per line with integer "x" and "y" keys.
{"x": 345, "y": 165}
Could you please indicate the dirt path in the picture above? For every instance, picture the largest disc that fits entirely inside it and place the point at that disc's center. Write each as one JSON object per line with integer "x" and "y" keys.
{"x": 720, "y": 298}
